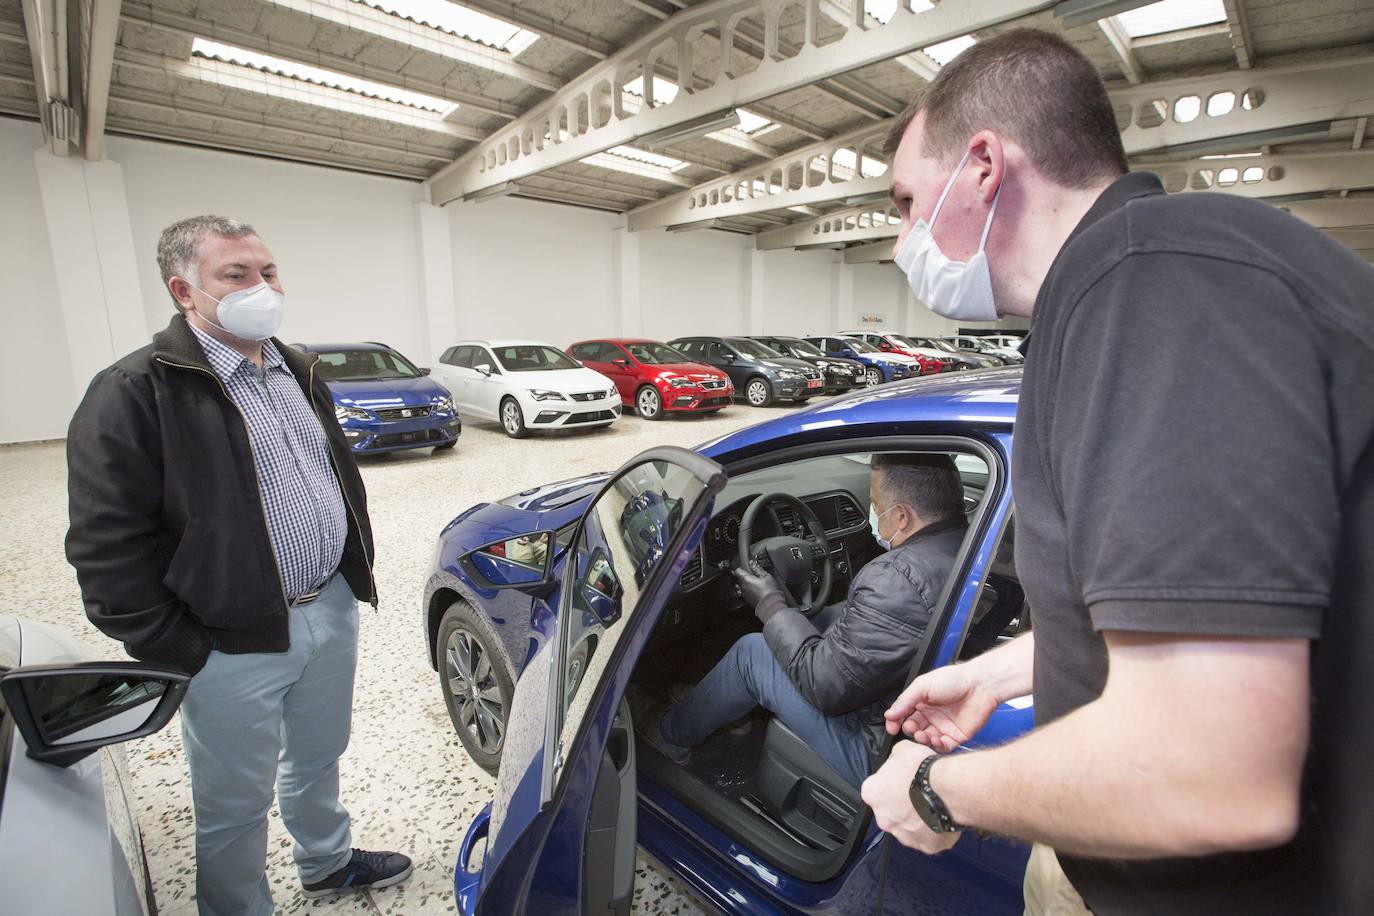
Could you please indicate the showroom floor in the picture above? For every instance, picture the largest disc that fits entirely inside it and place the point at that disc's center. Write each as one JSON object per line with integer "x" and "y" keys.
{"x": 406, "y": 780}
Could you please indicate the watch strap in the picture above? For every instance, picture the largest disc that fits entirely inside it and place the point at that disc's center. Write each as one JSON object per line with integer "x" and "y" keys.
{"x": 928, "y": 803}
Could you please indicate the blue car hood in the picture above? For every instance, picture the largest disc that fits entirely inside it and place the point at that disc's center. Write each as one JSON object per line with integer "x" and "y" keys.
{"x": 390, "y": 392}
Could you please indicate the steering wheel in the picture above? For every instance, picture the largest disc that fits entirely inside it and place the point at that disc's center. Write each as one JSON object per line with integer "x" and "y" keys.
{"x": 791, "y": 560}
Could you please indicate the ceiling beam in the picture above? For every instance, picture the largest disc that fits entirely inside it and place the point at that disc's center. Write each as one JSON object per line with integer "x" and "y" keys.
{"x": 1335, "y": 213}
{"x": 45, "y": 26}
{"x": 97, "y": 65}
{"x": 594, "y": 184}
{"x": 873, "y": 221}
{"x": 1361, "y": 125}
{"x": 182, "y": 26}
{"x": 552, "y": 29}
{"x": 873, "y": 253}
{"x": 1289, "y": 99}
{"x": 1240, "y": 33}
{"x": 1121, "y": 44}
{"x": 1280, "y": 176}
{"x": 520, "y": 150}
{"x": 364, "y": 19}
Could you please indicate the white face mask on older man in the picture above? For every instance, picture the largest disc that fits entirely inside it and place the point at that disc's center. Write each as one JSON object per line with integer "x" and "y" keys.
{"x": 254, "y": 313}
{"x": 961, "y": 290}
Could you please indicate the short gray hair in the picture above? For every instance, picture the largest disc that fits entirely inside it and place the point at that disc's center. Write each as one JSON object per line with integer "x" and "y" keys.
{"x": 178, "y": 248}
{"x": 928, "y": 483}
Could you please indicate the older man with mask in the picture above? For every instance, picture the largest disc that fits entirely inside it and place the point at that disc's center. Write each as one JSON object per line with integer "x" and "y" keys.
{"x": 829, "y": 676}
{"x": 1194, "y": 535}
{"x": 219, "y": 526}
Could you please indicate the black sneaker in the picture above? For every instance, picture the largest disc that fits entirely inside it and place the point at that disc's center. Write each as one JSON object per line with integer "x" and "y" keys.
{"x": 365, "y": 869}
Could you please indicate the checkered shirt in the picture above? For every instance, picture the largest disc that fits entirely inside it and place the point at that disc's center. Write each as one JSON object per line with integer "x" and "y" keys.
{"x": 300, "y": 493}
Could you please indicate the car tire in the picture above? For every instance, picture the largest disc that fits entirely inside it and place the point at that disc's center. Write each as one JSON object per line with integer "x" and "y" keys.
{"x": 758, "y": 392}
{"x": 513, "y": 419}
{"x": 472, "y": 692}
{"x": 649, "y": 403}
{"x": 873, "y": 377}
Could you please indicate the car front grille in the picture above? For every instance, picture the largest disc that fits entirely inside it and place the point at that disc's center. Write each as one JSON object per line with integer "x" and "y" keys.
{"x": 591, "y": 416}
{"x": 587, "y": 395}
{"x": 811, "y": 373}
{"x": 713, "y": 384}
{"x": 404, "y": 413}
{"x": 419, "y": 435}
{"x": 715, "y": 402}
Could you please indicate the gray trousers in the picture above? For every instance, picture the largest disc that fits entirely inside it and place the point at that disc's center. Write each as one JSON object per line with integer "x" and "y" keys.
{"x": 249, "y": 721}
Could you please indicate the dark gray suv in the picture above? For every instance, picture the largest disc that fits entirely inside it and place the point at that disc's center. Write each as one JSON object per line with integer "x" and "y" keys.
{"x": 760, "y": 374}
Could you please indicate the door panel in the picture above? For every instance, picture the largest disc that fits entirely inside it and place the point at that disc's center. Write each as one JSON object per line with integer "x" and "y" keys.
{"x": 567, "y": 772}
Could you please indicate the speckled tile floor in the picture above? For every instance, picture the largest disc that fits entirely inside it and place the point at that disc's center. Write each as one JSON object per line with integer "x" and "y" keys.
{"x": 406, "y": 779}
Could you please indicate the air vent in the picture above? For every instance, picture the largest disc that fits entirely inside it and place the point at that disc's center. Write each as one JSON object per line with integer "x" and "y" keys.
{"x": 787, "y": 518}
{"x": 692, "y": 574}
{"x": 850, "y": 514}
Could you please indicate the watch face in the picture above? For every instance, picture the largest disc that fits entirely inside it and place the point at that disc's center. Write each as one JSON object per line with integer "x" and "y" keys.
{"x": 924, "y": 808}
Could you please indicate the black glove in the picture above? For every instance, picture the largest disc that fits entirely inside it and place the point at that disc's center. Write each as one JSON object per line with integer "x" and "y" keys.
{"x": 761, "y": 590}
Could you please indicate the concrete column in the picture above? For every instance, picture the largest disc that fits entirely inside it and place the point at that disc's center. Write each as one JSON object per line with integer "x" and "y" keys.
{"x": 758, "y": 288}
{"x": 436, "y": 279}
{"x": 842, "y": 310}
{"x": 92, "y": 245}
{"x": 625, "y": 271}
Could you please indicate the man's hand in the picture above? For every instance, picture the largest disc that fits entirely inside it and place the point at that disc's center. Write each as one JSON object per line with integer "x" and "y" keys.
{"x": 761, "y": 590}
{"x": 888, "y": 793}
{"x": 943, "y": 708}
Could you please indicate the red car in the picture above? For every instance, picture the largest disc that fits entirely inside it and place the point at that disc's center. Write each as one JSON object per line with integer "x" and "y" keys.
{"x": 653, "y": 378}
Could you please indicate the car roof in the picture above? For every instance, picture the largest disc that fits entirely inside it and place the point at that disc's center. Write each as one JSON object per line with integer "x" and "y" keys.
{"x": 327, "y": 347}
{"x": 985, "y": 398}
{"x": 504, "y": 342}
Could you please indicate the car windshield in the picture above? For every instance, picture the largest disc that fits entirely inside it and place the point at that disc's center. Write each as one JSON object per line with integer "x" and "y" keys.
{"x": 534, "y": 358}
{"x": 861, "y": 346}
{"x": 360, "y": 365}
{"x": 656, "y": 354}
{"x": 803, "y": 347}
{"x": 752, "y": 348}
{"x": 972, "y": 343}
{"x": 930, "y": 343}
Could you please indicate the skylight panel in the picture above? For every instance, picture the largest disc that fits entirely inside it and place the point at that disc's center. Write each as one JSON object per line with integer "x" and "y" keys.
{"x": 750, "y": 122}
{"x": 664, "y": 90}
{"x": 639, "y": 155}
{"x": 215, "y": 50}
{"x": 461, "y": 21}
{"x": 946, "y": 51}
{"x": 1170, "y": 16}
{"x": 872, "y": 168}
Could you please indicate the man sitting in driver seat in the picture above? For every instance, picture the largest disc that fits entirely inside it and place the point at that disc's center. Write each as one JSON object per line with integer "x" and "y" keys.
{"x": 829, "y": 676}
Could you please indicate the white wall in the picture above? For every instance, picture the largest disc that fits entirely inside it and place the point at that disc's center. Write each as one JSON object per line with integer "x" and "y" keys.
{"x": 798, "y": 298}
{"x": 693, "y": 283}
{"x": 345, "y": 242}
{"x": 528, "y": 269}
{"x": 39, "y": 392}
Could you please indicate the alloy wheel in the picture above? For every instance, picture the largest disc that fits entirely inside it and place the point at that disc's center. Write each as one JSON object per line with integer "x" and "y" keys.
{"x": 472, "y": 684}
{"x": 757, "y": 392}
{"x": 510, "y": 417}
{"x": 648, "y": 402}
{"x": 873, "y": 377}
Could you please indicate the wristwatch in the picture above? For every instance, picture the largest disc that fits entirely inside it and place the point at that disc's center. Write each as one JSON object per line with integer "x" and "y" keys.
{"x": 927, "y": 802}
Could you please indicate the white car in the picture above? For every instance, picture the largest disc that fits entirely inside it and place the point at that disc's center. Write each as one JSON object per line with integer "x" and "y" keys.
{"x": 874, "y": 344}
{"x": 525, "y": 385}
{"x": 1009, "y": 355}
{"x": 69, "y": 841}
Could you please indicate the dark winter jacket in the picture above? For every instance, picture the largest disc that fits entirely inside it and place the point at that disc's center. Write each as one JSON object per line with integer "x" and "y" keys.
{"x": 862, "y": 660}
{"x": 168, "y": 532}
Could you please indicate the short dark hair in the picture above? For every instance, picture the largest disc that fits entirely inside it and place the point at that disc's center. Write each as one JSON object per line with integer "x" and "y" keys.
{"x": 1031, "y": 86}
{"x": 928, "y": 483}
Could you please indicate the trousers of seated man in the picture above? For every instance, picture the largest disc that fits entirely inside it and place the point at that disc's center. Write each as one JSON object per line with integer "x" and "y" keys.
{"x": 748, "y": 676}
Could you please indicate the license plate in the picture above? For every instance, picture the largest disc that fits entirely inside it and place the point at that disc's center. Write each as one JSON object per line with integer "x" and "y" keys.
{"x": 813, "y": 383}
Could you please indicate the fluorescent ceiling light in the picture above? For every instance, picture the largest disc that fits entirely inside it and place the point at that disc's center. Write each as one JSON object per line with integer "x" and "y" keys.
{"x": 639, "y": 155}
{"x": 946, "y": 51}
{"x": 687, "y": 130}
{"x": 1170, "y": 16}
{"x": 215, "y": 50}
{"x": 461, "y": 21}
{"x": 1232, "y": 156}
{"x": 664, "y": 90}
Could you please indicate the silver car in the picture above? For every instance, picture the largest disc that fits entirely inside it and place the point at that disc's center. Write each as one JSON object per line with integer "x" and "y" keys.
{"x": 69, "y": 841}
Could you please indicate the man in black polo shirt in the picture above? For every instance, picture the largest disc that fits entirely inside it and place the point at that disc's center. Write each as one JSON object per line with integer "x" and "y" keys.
{"x": 1194, "y": 480}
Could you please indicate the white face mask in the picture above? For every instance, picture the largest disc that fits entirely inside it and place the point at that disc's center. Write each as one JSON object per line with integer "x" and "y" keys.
{"x": 251, "y": 314}
{"x": 873, "y": 518}
{"x": 961, "y": 290}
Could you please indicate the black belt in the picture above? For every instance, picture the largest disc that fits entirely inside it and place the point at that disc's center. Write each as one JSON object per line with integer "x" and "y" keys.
{"x": 311, "y": 595}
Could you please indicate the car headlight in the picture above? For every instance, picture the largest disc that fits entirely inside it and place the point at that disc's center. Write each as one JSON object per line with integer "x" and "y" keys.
{"x": 681, "y": 382}
{"x": 789, "y": 373}
{"x": 443, "y": 405}
{"x": 350, "y": 413}
{"x": 545, "y": 394}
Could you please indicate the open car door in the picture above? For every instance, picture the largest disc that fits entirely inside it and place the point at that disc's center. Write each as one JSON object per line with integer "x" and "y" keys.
{"x": 559, "y": 836}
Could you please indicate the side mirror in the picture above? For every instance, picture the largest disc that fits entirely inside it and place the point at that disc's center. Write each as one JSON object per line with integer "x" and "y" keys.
{"x": 622, "y": 362}
{"x": 600, "y": 588}
{"x": 483, "y": 368}
{"x": 524, "y": 563}
{"x": 424, "y": 370}
{"x": 727, "y": 357}
{"x": 67, "y": 712}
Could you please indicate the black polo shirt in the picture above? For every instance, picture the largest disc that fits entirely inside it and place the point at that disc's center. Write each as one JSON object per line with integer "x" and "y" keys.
{"x": 1193, "y": 455}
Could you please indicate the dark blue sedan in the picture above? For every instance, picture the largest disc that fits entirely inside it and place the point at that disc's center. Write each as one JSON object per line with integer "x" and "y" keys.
{"x": 546, "y": 609}
{"x": 382, "y": 401}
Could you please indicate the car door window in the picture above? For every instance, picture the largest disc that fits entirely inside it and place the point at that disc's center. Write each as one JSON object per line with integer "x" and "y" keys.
{"x": 482, "y": 356}
{"x": 719, "y": 351}
{"x": 624, "y": 536}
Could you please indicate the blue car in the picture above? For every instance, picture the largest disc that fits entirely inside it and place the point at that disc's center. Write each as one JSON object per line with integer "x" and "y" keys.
{"x": 878, "y": 367}
{"x": 382, "y": 401}
{"x": 544, "y": 612}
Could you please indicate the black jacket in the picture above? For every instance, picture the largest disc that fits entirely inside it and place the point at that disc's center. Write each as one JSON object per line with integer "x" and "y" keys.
{"x": 861, "y": 662}
{"x": 168, "y": 532}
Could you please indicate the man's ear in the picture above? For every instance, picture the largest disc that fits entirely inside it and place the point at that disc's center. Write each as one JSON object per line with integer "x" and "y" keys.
{"x": 988, "y": 156}
{"x": 181, "y": 292}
